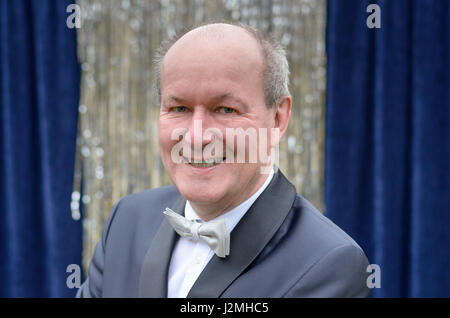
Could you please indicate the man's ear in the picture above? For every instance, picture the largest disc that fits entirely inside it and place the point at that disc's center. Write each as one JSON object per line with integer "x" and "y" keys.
{"x": 282, "y": 116}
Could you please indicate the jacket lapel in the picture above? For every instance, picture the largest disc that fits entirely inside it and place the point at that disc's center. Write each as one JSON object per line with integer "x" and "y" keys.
{"x": 153, "y": 277}
{"x": 248, "y": 238}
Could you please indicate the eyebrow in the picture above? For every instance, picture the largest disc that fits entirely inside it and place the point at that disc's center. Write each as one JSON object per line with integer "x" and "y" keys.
{"x": 216, "y": 99}
{"x": 232, "y": 97}
{"x": 177, "y": 99}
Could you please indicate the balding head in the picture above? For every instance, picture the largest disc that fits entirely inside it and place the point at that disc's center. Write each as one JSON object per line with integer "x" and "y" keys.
{"x": 214, "y": 31}
{"x": 257, "y": 46}
{"x": 213, "y": 80}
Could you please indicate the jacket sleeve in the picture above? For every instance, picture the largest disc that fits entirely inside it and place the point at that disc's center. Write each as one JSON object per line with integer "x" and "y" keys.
{"x": 93, "y": 285}
{"x": 342, "y": 272}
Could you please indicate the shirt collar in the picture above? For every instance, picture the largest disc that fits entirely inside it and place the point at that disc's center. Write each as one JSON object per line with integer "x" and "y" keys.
{"x": 234, "y": 215}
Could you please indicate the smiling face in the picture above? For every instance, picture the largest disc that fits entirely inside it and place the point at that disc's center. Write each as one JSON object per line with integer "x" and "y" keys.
{"x": 212, "y": 81}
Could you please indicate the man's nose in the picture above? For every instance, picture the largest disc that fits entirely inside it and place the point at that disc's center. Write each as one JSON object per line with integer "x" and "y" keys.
{"x": 199, "y": 123}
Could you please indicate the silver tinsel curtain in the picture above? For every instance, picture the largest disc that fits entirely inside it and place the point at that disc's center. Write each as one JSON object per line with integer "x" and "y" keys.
{"x": 117, "y": 140}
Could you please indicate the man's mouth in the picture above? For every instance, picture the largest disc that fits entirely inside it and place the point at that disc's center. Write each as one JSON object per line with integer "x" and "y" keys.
{"x": 206, "y": 163}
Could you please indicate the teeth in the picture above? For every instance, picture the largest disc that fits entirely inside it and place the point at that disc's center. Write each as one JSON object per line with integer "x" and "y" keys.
{"x": 204, "y": 163}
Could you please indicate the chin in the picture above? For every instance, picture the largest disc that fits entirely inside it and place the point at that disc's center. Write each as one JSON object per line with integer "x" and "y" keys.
{"x": 202, "y": 193}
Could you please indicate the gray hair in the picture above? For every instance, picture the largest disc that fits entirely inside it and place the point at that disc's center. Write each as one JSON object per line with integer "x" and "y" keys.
{"x": 276, "y": 67}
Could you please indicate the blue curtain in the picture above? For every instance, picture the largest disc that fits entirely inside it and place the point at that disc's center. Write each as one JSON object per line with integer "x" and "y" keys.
{"x": 39, "y": 91}
{"x": 387, "y": 170}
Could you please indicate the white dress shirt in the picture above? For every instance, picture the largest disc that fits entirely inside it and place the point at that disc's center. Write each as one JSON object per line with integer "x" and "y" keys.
{"x": 190, "y": 256}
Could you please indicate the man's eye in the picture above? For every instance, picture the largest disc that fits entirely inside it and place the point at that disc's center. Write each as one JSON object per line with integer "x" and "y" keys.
{"x": 179, "y": 109}
{"x": 226, "y": 110}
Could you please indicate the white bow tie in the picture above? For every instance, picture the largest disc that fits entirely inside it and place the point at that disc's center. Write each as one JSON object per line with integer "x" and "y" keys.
{"x": 214, "y": 233}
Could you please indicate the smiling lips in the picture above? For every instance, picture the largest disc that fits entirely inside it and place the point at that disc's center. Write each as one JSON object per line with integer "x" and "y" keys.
{"x": 206, "y": 163}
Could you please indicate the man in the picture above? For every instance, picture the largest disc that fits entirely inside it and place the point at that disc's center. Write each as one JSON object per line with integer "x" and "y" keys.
{"x": 227, "y": 228}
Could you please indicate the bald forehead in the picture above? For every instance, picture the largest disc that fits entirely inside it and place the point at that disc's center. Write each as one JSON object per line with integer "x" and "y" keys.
{"x": 217, "y": 31}
{"x": 211, "y": 35}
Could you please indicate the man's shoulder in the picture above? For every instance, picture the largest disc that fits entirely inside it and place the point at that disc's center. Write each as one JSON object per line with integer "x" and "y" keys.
{"x": 314, "y": 227}
{"x": 138, "y": 215}
{"x": 328, "y": 262}
{"x": 144, "y": 206}
{"x": 150, "y": 197}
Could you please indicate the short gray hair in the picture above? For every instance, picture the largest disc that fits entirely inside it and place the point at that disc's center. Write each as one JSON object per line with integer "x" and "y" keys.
{"x": 276, "y": 67}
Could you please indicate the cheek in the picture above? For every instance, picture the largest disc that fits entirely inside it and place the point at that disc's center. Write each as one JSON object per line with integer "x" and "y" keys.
{"x": 164, "y": 138}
